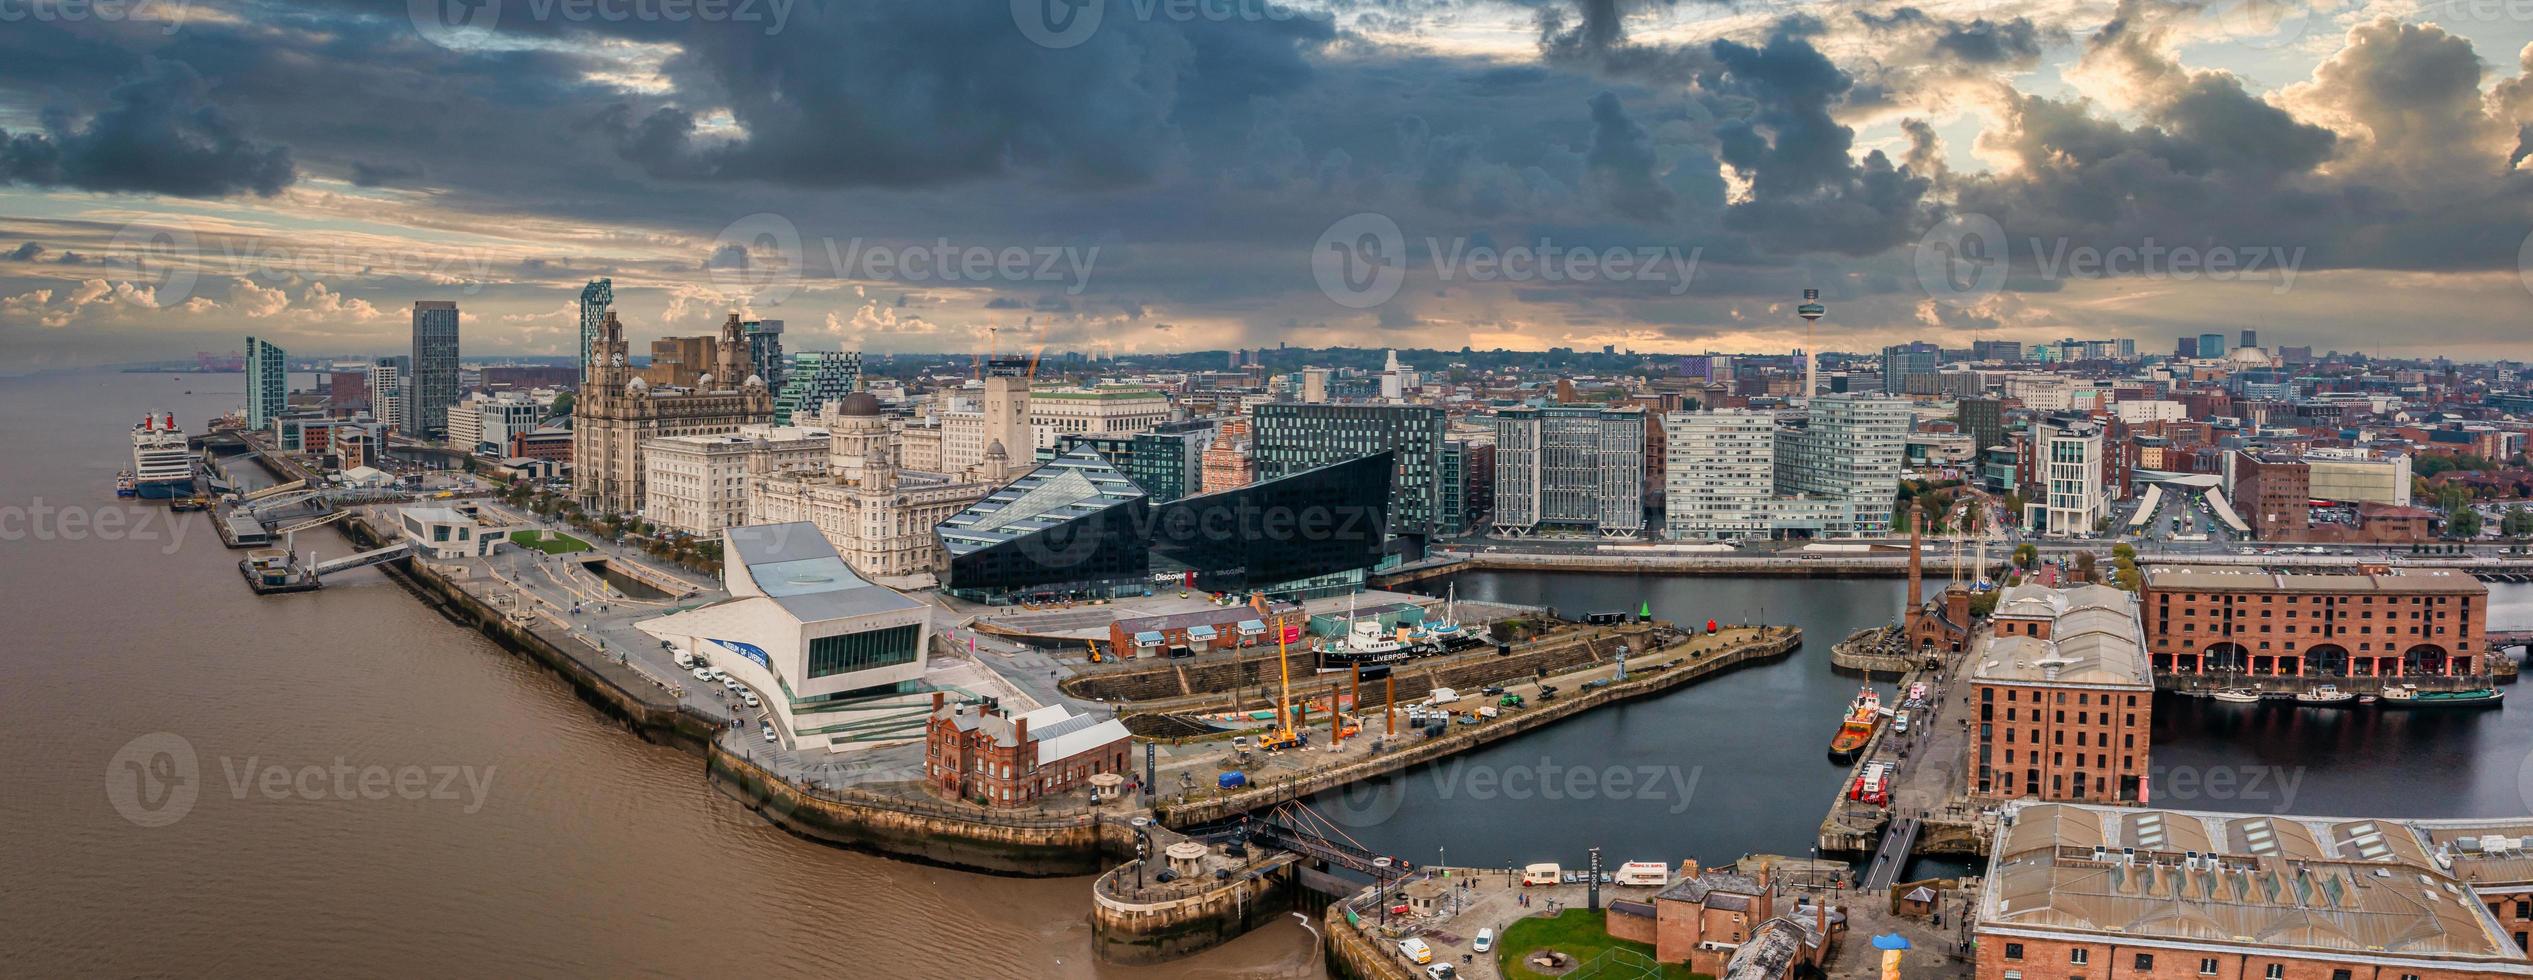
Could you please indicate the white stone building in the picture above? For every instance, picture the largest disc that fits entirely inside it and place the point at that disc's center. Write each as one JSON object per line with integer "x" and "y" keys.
{"x": 877, "y": 514}
{"x": 699, "y": 484}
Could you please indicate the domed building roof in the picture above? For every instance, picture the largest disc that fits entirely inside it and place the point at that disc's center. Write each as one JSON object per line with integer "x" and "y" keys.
{"x": 994, "y": 450}
{"x": 703, "y": 381}
{"x": 637, "y": 386}
{"x": 2243, "y": 357}
{"x": 753, "y": 381}
{"x": 858, "y": 404}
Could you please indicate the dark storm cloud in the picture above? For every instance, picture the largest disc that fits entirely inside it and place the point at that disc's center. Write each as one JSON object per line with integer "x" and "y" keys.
{"x": 368, "y": 174}
{"x": 2014, "y": 43}
{"x": 1622, "y": 156}
{"x": 158, "y": 134}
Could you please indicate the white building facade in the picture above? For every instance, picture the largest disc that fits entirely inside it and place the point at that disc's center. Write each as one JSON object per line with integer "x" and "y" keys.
{"x": 699, "y": 484}
{"x": 1570, "y": 466}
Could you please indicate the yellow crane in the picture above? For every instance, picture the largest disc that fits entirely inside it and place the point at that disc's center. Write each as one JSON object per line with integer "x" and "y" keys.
{"x": 1284, "y": 736}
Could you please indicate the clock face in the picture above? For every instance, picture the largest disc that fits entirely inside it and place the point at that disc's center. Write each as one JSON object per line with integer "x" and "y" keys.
{"x": 618, "y": 360}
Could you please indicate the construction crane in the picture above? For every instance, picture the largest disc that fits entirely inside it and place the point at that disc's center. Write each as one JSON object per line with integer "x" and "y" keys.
{"x": 1033, "y": 362}
{"x": 1285, "y": 735}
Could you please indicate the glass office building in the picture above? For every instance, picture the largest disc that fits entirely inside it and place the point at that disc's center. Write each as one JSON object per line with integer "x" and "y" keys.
{"x": 1074, "y": 528}
{"x": 1305, "y": 534}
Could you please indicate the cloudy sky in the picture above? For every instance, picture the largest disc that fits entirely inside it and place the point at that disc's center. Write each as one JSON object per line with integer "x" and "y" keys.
{"x": 1132, "y": 175}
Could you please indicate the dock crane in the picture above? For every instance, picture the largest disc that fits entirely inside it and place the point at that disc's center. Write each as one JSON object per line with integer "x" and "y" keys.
{"x": 1286, "y": 734}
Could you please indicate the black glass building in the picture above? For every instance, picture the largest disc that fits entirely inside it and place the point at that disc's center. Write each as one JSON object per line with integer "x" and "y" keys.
{"x": 1071, "y": 529}
{"x": 1313, "y": 531}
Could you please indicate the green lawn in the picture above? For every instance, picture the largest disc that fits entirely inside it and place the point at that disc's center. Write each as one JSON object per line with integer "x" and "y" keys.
{"x": 563, "y": 544}
{"x": 1575, "y": 932}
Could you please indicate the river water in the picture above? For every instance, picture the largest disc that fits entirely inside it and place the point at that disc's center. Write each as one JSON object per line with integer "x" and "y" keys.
{"x": 374, "y": 790}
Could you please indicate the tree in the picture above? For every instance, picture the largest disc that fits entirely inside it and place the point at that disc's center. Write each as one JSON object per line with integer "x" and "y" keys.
{"x": 2517, "y": 522}
{"x": 563, "y": 404}
{"x": 2124, "y": 552}
{"x": 2084, "y": 566}
{"x": 2025, "y": 556}
{"x": 2462, "y": 522}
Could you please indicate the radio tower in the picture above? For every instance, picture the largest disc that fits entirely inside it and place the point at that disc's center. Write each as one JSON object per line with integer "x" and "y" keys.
{"x": 1811, "y": 312}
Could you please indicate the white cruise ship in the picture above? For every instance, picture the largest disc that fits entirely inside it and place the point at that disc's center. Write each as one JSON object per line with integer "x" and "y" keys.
{"x": 162, "y": 468}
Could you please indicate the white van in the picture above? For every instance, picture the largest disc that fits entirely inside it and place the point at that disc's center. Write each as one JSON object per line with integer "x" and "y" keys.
{"x": 1416, "y": 951}
{"x": 1643, "y": 873}
{"x": 1540, "y": 874}
{"x": 1900, "y": 723}
{"x": 684, "y": 660}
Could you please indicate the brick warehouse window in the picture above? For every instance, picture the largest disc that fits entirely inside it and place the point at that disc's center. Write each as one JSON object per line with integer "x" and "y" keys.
{"x": 2207, "y": 967}
{"x": 2275, "y": 971}
{"x": 2145, "y": 961}
{"x": 2078, "y": 955}
{"x": 2014, "y": 951}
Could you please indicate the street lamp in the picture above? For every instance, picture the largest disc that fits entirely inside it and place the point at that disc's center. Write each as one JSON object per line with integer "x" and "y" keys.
{"x": 1381, "y": 885}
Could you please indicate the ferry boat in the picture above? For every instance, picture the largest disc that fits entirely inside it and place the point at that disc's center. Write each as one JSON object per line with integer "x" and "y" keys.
{"x": 2409, "y": 696}
{"x": 2325, "y": 696}
{"x": 124, "y": 485}
{"x": 1856, "y": 728}
{"x": 162, "y": 468}
{"x": 2237, "y": 695}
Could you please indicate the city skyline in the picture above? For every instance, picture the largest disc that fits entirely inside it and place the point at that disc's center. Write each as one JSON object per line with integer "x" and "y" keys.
{"x": 2324, "y": 173}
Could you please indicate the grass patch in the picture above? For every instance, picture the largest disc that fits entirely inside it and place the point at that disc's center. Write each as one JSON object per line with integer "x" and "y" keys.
{"x": 1579, "y": 933}
{"x": 563, "y": 544}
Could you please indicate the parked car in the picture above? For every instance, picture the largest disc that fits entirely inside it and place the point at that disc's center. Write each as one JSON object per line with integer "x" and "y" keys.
{"x": 749, "y": 698}
{"x": 703, "y": 674}
{"x": 770, "y": 736}
{"x": 1485, "y": 940}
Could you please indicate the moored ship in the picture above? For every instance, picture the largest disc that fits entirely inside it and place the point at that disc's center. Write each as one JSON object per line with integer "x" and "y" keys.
{"x": 1863, "y": 715}
{"x": 162, "y": 468}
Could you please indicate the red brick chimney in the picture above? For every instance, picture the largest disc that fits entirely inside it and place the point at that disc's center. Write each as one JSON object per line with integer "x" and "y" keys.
{"x": 936, "y": 701}
{"x": 1020, "y": 731}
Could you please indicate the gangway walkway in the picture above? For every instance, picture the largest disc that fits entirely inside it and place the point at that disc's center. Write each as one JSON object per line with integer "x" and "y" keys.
{"x": 276, "y": 490}
{"x": 364, "y": 559}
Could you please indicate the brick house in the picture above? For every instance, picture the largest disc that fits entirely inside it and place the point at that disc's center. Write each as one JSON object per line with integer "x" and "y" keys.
{"x": 983, "y": 754}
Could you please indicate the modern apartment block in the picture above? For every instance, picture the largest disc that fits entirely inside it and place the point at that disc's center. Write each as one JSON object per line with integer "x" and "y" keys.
{"x": 430, "y": 384}
{"x": 2380, "y": 622}
{"x": 810, "y": 379}
{"x": 2066, "y": 702}
{"x": 765, "y": 351}
{"x": 1168, "y": 460}
{"x": 387, "y": 391}
{"x": 1290, "y": 438}
{"x": 267, "y": 383}
{"x": 1569, "y": 466}
{"x": 1832, "y": 472}
{"x": 1468, "y": 482}
{"x": 2065, "y": 495}
{"x": 1901, "y": 361}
